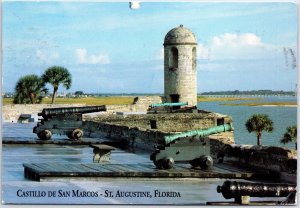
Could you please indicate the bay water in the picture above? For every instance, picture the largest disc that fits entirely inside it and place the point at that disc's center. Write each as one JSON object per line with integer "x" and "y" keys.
{"x": 281, "y": 116}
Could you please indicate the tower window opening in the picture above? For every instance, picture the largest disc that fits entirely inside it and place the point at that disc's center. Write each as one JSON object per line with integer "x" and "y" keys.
{"x": 194, "y": 58}
{"x": 220, "y": 121}
{"x": 153, "y": 124}
{"x": 173, "y": 61}
{"x": 175, "y": 99}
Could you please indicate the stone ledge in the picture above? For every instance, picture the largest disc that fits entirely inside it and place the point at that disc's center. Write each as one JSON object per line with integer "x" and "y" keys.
{"x": 278, "y": 159}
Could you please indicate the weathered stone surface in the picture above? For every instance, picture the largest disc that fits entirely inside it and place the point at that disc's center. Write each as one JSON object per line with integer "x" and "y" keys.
{"x": 218, "y": 142}
{"x": 137, "y": 129}
{"x": 175, "y": 122}
{"x": 11, "y": 113}
{"x": 277, "y": 159}
{"x": 180, "y": 35}
{"x": 147, "y": 100}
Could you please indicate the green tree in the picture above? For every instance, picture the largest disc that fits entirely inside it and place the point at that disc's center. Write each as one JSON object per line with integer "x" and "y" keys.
{"x": 78, "y": 93}
{"x": 290, "y": 135}
{"x": 259, "y": 123}
{"x": 57, "y": 75}
{"x": 29, "y": 89}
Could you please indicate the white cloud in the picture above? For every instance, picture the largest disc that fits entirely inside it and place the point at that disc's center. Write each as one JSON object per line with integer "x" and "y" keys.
{"x": 160, "y": 54}
{"x": 40, "y": 55}
{"x": 233, "y": 46}
{"x": 203, "y": 52}
{"x": 55, "y": 55}
{"x": 84, "y": 58}
{"x": 81, "y": 55}
{"x": 99, "y": 59}
{"x": 236, "y": 40}
{"x": 45, "y": 57}
{"x": 230, "y": 52}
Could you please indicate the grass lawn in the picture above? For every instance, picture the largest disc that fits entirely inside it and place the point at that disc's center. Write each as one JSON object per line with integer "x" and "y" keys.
{"x": 122, "y": 100}
{"x": 88, "y": 100}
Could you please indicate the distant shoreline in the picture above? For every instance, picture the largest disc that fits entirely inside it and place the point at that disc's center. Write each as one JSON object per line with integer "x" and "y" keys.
{"x": 264, "y": 104}
{"x": 279, "y": 105}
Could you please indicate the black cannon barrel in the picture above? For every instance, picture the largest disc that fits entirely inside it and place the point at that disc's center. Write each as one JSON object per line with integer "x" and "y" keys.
{"x": 87, "y": 109}
{"x": 234, "y": 189}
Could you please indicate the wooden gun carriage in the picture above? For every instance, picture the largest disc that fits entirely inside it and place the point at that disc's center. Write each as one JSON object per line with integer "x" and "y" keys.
{"x": 66, "y": 121}
{"x": 190, "y": 146}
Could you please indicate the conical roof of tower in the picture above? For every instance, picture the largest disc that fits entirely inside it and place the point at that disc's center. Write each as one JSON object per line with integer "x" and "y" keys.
{"x": 180, "y": 35}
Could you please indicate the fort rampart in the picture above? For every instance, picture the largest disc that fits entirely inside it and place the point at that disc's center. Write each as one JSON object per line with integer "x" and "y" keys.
{"x": 143, "y": 131}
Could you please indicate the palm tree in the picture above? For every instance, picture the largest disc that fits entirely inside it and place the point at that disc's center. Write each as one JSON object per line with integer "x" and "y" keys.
{"x": 29, "y": 90}
{"x": 290, "y": 135}
{"x": 258, "y": 123}
{"x": 57, "y": 75}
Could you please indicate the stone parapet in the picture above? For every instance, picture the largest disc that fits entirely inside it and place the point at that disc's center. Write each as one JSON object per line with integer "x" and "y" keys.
{"x": 11, "y": 113}
{"x": 174, "y": 122}
{"x": 277, "y": 159}
{"x": 146, "y": 139}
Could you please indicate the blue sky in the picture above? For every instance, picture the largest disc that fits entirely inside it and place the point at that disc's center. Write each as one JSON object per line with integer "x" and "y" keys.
{"x": 109, "y": 48}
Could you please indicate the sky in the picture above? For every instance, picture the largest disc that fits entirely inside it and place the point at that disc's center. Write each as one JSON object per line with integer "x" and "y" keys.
{"x": 110, "y": 48}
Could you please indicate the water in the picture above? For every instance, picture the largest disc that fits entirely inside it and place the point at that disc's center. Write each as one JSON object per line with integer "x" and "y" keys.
{"x": 282, "y": 117}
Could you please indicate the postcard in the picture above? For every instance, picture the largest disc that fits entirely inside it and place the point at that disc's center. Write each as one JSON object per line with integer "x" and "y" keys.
{"x": 149, "y": 103}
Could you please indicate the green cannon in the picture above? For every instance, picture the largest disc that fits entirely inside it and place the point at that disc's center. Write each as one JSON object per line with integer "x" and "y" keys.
{"x": 200, "y": 133}
{"x": 168, "y": 104}
{"x": 180, "y": 107}
{"x": 190, "y": 146}
{"x": 66, "y": 121}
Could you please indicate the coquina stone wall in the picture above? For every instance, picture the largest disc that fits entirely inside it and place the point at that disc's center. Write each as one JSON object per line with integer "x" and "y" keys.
{"x": 141, "y": 138}
{"x": 279, "y": 160}
{"x": 146, "y": 130}
{"x": 175, "y": 122}
{"x": 136, "y": 137}
{"x": 11, "y": 113}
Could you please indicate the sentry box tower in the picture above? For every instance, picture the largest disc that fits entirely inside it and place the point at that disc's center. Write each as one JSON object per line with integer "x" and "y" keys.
{"x": 180, "y": 70}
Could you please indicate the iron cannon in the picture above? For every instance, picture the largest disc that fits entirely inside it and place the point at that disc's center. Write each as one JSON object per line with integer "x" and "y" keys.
{"x": 66, "y": 121}
{"x": 168, "y": 104}
{"x": 180, "y": 107}
{"x": 190, "y": 146}
{"x": 241, "y": 191}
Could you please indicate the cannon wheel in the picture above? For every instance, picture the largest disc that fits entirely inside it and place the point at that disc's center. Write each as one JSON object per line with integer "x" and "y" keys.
{"x": 195, "y": 162}
{"x": 45, "y": 134}
{"x": 158, "y": 164}
{"x": 76, "y": 134}
{"x": 204, "y": 161}
{"x": 168, "y": 162}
